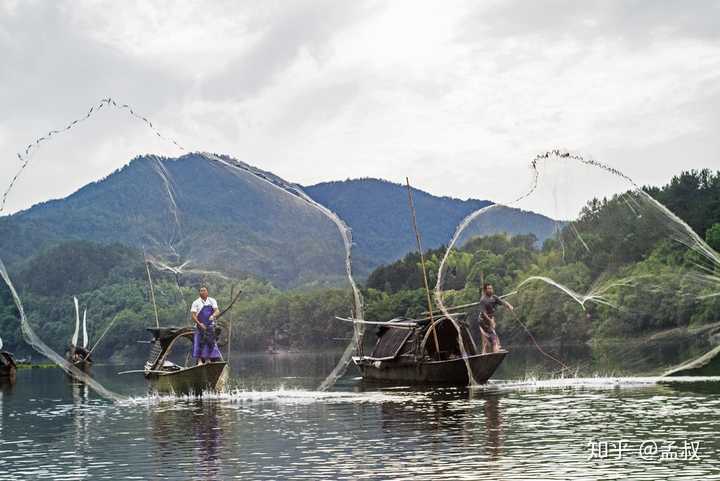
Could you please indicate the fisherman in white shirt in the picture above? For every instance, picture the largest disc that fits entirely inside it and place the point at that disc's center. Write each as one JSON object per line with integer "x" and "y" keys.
{"x": 204, "y": 311}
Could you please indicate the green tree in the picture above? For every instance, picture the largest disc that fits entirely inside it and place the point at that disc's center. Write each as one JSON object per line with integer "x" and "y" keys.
{"x": 712, "y": 236}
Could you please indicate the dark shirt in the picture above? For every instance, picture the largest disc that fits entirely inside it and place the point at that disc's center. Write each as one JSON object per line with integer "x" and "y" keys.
{"x": 488, "y": 305}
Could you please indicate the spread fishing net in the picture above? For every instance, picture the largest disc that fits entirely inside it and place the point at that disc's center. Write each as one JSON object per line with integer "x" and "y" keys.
{"x": 89, "y": 274}
{"x": 602, "y": 277}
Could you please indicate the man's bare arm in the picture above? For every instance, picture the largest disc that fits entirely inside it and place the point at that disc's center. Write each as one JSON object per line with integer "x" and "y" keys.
{"x": 197, "y": 321}
{"x": 507, "y": 304}
{"x": 215, "y": 314}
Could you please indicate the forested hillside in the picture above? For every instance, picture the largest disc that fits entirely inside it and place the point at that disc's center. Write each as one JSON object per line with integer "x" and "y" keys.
{"x": 188, "y": 209}
{"x": 110, "y": 280}
{"x": 625, "y": 247}
{"x": 198, "y": 209}
{"x": 379, "y": 214}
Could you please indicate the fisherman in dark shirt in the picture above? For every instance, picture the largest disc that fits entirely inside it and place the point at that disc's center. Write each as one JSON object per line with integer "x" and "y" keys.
{"x": 488, "y": 303}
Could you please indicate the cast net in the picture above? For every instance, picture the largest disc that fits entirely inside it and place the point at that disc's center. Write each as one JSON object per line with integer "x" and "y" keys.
{"x": 604, "y": 279}
{"x": 172, "y": 222}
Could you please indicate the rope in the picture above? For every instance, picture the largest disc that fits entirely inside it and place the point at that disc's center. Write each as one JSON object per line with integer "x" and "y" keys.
{"x": 103, "y": 334}
{"x": 110, "y": 102}
{"x": 532, "y": 338}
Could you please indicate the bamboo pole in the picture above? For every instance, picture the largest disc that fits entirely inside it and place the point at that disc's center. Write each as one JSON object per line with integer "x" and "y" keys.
{"x": 458, "y": 314}
{"x": 152, "y": 290}
{"x": 102, "y": 335}
{"x": 455, "y": 308}
{"x": 229, "y": 323}
{"x": 422, "y": 264}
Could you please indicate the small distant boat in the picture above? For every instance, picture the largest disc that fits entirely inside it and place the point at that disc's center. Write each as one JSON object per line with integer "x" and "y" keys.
{"x": 8, "y": 366}
{"x": 405, "y": 352}
{"x": 168, "y": 377}
{"x": 79, "y": 355}
{"x": 80, "y": 358}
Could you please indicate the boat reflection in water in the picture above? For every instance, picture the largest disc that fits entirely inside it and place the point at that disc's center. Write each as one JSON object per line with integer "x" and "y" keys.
{"x": 471, "y": 421}
{"x": 208, "y": 441}
{"x": 493, "y": 426}
{"x": 193, "y": 427}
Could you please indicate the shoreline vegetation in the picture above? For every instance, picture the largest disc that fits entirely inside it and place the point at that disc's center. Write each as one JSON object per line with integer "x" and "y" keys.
{"x": 38, "y": 365}
{"x": 110, "y": 280}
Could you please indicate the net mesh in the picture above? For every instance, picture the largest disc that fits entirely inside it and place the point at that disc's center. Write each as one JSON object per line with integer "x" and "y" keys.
{"x": 621, "y": 274}
{"x": 201, "y": 218}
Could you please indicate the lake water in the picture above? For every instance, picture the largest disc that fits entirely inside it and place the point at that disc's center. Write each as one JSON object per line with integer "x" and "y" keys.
{"x": 277, "y": 426}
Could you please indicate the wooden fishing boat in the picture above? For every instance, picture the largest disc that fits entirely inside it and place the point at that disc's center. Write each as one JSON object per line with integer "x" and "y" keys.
{"x": 406, "y": 352}
{"x": 8, "y": 366}
{"x": 79, "y": 355}
{"x": 166, "y": 376}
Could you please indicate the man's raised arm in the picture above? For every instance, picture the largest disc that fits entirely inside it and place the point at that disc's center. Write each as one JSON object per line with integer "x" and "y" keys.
{"x": 507, "y": 304}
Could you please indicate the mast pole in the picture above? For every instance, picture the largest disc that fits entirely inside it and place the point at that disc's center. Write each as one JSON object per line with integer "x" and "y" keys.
{"x": 229, "y": 322}
{"x": 422, "y": 264}
{"x": 152, "y": 290}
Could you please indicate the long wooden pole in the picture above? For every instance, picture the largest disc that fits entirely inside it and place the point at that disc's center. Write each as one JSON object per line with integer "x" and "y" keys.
{"x": 152, "y": 291}
{"x": 232, "y": 303}
{"x": 102, "y": 335}
{"x": 455, "y": 308}
{"x": 422, "y": 264}
{"x": 229, "y": 323}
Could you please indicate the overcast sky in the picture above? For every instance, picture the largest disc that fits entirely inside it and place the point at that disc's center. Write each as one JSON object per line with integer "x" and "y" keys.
{"x": 459, "y": 96}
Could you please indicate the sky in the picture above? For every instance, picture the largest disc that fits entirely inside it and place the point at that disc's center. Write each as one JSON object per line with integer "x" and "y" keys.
{"x": 457, "y": 95}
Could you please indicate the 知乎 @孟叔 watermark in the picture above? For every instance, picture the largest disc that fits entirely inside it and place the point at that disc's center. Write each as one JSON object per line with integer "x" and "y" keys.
{"x": 648, "y": 450}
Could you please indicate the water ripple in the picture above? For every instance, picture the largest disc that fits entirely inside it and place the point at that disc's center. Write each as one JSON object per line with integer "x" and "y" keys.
{"x": 529, "y": 429}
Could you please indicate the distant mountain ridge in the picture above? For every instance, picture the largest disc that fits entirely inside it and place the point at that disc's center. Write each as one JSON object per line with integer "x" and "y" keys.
{"x": 202, "y": 209}
{"x": 379, "y": 214}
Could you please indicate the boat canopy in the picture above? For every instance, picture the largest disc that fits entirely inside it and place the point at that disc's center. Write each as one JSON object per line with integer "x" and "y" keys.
{"x": 164, "y": 339}
{"x": 418, "y": 343}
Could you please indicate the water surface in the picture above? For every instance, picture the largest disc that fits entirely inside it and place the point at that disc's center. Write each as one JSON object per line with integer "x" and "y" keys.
{"x": 275, "y": 425}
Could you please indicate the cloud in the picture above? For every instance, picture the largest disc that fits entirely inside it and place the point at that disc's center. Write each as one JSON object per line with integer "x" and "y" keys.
{"x": 49, "y": 61}
{"x": 451, "y": 94}
{"x": 636, "y": 22}
{"x": 278, "y": 39}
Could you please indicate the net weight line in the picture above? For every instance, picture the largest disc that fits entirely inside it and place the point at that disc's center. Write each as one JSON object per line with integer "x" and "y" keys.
{"x": 34, "y": 145}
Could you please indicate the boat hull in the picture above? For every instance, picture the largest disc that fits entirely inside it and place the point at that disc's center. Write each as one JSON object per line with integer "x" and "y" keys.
{"x": 449, "y": 372}
{"x": 192, "y": 380}
{"x": 8, "y": 368}
{"x": 84, "y": 366}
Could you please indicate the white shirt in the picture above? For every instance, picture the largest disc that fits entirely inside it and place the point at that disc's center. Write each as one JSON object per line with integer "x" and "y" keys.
{"x": 198, "y": 304}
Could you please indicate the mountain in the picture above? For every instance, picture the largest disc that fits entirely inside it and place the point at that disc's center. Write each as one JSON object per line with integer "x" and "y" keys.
{"x": 223, "y": 215}
{"x": 379, "y": 214}
{"x": 205, "y": 209}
